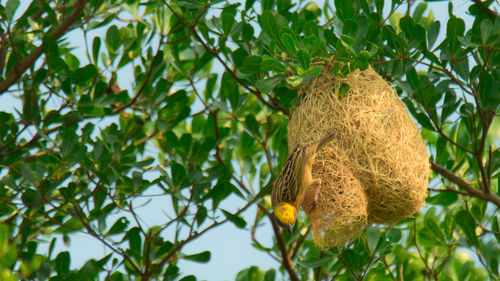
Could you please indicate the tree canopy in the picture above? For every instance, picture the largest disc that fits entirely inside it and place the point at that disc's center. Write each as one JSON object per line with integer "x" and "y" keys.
{"x": 188, "y": 102}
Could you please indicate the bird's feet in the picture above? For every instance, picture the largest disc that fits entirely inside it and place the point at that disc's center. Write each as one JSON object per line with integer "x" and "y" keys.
{"x": 316, "y": 185}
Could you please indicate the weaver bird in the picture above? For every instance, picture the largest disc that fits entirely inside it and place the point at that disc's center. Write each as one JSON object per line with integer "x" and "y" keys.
{"x": 293, "y": 181}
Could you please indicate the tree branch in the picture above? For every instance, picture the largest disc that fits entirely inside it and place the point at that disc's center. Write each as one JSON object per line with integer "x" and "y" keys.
{"x": 30, "y": 60}
{"x": 286, "y": 261}
{"x": 491, "y": 197}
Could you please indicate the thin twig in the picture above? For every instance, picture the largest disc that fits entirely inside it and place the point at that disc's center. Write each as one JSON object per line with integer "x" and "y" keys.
{"x": 348, "y": 267}
{"x": 388, "y": 268}
{"x": 415, "y": 242}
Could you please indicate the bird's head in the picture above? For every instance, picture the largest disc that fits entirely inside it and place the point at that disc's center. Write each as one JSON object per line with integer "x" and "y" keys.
{"x": 285, "y": 216}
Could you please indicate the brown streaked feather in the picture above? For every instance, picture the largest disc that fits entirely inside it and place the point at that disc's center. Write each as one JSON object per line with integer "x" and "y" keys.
{"x": 288, "y": 185}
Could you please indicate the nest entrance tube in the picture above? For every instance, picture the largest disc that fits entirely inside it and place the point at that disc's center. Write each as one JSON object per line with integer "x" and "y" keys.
{"x": 375, "y": 170}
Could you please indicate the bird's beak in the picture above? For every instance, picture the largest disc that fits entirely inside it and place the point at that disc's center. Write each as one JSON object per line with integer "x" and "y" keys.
{"x": 289, "y": 228}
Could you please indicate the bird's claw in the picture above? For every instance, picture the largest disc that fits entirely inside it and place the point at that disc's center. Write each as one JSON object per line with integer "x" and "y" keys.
{"x": 317, "y": 185}
{"x": 313, "y": 205}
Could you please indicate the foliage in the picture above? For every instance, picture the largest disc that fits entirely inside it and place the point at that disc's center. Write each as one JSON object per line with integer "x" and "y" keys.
{"x": 204, "y": 117}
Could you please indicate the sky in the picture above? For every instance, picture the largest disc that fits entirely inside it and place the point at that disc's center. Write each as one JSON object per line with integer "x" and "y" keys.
{"x": 230, "y": 247}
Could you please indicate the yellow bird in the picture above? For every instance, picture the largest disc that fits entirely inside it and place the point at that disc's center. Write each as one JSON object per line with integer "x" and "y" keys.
{"x": 293, "y": 181}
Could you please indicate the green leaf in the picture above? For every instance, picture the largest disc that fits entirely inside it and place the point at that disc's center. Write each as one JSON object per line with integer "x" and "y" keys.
{"x": 372, "y": 238}
{"x": 273, "y": 65}
{"x": 437, "y": 233}
{"x": 104, "y": 22}
{"x": 62, "y": 262}
{"x": 289, "y": 43}
{"x": 113, "y": 38}
{"x": 269, "y": 25}
{"x": 133, "y": 236}
{"x": 261, "y": 248}
{"x": 495, "y": 227}
{"x": 314, "y": 263}
{"x": 432, "y": 33}
{"x": 178, "y": 173}
{"x": 432, "y": 57}
{"x": 348, "y": 42}
{"x": 267, "y": 85}
{"x": 28, "y": 174}
{"x": 92, "y": 111}
{"x": 312, "y": 43}
{"x": 210, "y": 86}
{"x": 304, "y": 58}
{"x": 200, "y": 257}
{"x": 462, "y": 68}
{"x": 69, "y": 139}
{"x": 468, "y": 226}
{"x": 270, "y": 275}
{"x": 486, "y": 28}
{"x": 227, "y": 19}
{"x": 188, "y": 278}
{"x": 239, "y": 55}
{"x": 4, "y": 235}
{"x": 450, "y": 104}
{"x": 230, "y": 90}
{"x": 379, "y": 4}
{"x": 344, "y": 89}
{"x": 314, "y": 71}
{"x": 96, "y": 46}
{"x": 489, "y": 90}
{"x": 190, "y": 4}
{"x": 219, "y": 192}
{"x": 249, "y": 4}
{"x": 419, "y": 11}
{"x": 250, "y": 274}
{"x": 201, "y": 215}
{"x": 237, "y": 220}
{"x": 345, "y": 9}
{"x": 252, "y": 124}
{"x": 443, "y": 198}
{"x": 352, "y": 259}
{"x": 252, "y": 64}
{"x": 247, "y": 32}
{"x": 118, "y": 227}
{"x": 424, "y": 121}
{"x": 84, "y": 73}
{"x": 10, "y": 8}
{"x": 455, "y": 28}
{"x": 72, "y": 225}
{"x": 394, "y": 235}
{"x": 412, "y": 78}
{"x": 295, "y": 81}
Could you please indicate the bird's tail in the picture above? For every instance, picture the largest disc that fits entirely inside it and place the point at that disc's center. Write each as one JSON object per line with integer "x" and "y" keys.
{"x": 327, "y": 138}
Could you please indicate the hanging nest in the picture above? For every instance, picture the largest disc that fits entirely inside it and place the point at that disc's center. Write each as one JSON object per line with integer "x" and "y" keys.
{"x": 340, "y": 212}
{"x": 380, "y": 144}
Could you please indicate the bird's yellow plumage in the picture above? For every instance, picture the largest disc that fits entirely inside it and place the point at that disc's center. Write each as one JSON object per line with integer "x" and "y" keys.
{"x": 291, "y": 184}
{"x": 286, "y": 213}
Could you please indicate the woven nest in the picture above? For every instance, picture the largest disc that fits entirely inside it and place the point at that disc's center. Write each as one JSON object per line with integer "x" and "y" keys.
{"x": 380, "y": 145}
{"x": 340, "y": 212}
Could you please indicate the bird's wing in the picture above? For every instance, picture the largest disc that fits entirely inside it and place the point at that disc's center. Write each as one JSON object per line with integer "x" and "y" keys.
{"x": 286, "y": 186}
